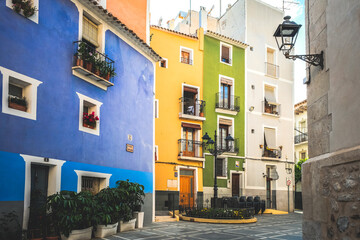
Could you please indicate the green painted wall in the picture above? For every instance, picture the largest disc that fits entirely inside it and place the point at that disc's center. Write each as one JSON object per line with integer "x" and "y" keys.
{"x": 212, "y": 69}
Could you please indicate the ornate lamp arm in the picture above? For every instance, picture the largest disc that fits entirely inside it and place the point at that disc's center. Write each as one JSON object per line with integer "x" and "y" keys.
{"x": 313, "y": 59}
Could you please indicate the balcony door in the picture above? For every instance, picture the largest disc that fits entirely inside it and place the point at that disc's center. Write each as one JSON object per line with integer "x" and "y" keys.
{"x": 223, "y": 132}
{"x": 225, "y": 95}
{"x": 190, "y": 97}
{"x": 188, "y": 145}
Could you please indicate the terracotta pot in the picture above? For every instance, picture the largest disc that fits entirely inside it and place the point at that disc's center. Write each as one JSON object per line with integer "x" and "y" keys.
{"x": 88, "y": 126}
{"x": 97, "y": 72}
{"x": 89, "y": 66}
{"x": 201, "y": 114}
{"x": 17, "y": 106}
{"x": 107, "y": 77}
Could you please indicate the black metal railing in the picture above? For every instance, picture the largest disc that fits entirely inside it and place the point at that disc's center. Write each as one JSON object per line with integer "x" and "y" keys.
{"x": 232, "y": 103}
{"x": 271, "y": 153}
{"x": 87, "y": 57}
{"x": 229, "y": 147}
{"x": 271, "y": 108}
{"x": 301, "y": 136}
{"x": 226, "y": 60}
{"x": 190, "y": 148}
{"x": 193, "y": 107}
{"x": 272, "y": 69}
{"x": 186, "y": 60}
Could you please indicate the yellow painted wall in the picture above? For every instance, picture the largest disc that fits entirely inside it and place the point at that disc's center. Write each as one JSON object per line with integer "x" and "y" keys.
{"x": 168, "y": 91}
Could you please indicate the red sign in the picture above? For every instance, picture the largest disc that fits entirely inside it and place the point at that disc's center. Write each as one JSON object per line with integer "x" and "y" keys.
{"x": 288, "y": 182}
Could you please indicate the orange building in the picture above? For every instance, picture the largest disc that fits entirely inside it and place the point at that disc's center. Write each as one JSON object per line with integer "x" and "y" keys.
{"x": 134, "y": 14}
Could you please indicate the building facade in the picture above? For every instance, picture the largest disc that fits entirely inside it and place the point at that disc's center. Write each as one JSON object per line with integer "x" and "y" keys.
{"x": 66, "y": 124}
{"x": 330, "y": 178}
{"x": 224, "y": 92}
{"x": 180, "y": 113}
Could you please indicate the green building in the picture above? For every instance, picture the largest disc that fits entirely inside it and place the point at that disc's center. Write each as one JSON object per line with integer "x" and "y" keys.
{"x": 224, "y": 92}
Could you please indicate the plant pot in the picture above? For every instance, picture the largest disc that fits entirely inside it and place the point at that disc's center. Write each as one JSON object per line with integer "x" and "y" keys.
{"x": 201, "y": 114}
{"x": 107, "y": 76}
{"x": 78, "y": 61}
{"x": 106, "y": 230}
{"x": 81, "y": 234}
{"x": 17, "y": 106}
{"x": 126, "y": 226}
{"x": 89, "y": 66}
{"x": 97, "y": 72}
{"x": 139, "y": 219}
{"x": 88, "y": 126}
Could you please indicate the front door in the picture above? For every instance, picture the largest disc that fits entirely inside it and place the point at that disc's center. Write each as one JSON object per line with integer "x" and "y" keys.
{"x": 235, "y": 186}
{"x": 187, "y": 188}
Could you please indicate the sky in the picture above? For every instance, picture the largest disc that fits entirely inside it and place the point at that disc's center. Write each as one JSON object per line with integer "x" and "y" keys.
{"x": 168, "y": 9}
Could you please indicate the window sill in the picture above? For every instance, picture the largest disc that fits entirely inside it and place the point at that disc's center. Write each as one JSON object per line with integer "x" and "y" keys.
{"x": 270, "y": 158}
{"x": 271, "y": 76}
{"x": 229, "y": 64}
{"x": 271, "y": 115}
{"x": 192, "y": 117}
{"x": 225, "y": 111}
{"x": 92, "y": 78}
{"x": 198, "y": 159}
{"x": 230, "y": 153}
{"x": 218, "y": 177}
{"x": 304, "y": 142}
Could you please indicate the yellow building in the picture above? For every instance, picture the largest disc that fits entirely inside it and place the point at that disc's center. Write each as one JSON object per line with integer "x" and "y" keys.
{"x": 179, "y": 117}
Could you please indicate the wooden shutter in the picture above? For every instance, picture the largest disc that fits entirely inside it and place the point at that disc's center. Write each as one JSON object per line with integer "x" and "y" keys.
{"x": 226, "y": 81}
{"x": 190, "y": 125}
{"x": 189, "y": 89}
{"x": 90, "y": 31}
{"x": 225, "y": 52}
{"x": 227, "y": 122}
{"x": 270, "y": 56}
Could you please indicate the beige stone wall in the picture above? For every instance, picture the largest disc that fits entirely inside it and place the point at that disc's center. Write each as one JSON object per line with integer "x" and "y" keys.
{"x": 330, "y": 178}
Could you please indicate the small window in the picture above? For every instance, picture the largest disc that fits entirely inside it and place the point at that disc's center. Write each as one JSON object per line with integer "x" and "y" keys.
{"x": 221, "y": 167}
{"x": 270, "y": 104}
{"x": 225, "y": 53}
{"x": 302, "y": 155}
{"x": 90, "y": 184}
{"x": 190, "y": 102}
{"x": 156, "y": 108}
{"x": 90, "y": 32}
{"x": 186, "y": 55}
{"x": 89, "y": 115}
{"x": 163, "y": 63}
{"x": 156, "y": 152}
{"x": 19, "y": 94}
{"x": 272, "y": 69}
{"x": 29, "y": 8}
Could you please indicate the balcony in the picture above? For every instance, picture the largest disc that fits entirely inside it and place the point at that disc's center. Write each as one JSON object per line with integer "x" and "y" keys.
{"x": 271, "y": 153}
{"x": 270, "y": 108}
{"x": 271, "y": 70}
{"x": 190, "y": 150}
{"x": 92, "y": 66}
{"x": 232, "y": 103}
{"x": 192, "y": 109}
{"x": 234, "y": 146}
{"x": 186, "y": 61}
{"x": 226, "y": 60}
{"x": 301, "y": 136}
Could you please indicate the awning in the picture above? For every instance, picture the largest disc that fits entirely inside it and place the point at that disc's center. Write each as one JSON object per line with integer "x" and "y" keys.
{"x": 270, "y": 95}
{"x": 190, "y": 125}
{"x": 189, "y": 89}
{"x": 226, "y": 81}
{"x": 270, "y": 137}
{"x": 225, "y": 121}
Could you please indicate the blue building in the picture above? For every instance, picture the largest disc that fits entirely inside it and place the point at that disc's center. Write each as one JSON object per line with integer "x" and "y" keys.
{"x": 66, "y": 121}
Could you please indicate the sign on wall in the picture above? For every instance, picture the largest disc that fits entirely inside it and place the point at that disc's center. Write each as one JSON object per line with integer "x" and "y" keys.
{"x": 237, "y": 164}
{"x": 129, "y": 148}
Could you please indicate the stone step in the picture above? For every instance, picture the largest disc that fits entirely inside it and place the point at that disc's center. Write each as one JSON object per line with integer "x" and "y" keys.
{"x": 162, "y": 213}
{"x": 165, "y": 219}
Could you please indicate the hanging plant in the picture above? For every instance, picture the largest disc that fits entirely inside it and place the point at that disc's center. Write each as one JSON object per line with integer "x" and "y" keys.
{"x": 26, "y": 6}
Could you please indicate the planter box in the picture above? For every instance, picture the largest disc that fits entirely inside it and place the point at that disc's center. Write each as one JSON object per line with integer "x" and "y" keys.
{"x": 17, "y": 106}
{"x": 82, "y": 234}
{"x": 88, "y": 126}
{"x": 126, "y": 226}
{"x": 139, "y": 219}
{"x": 104, "y": 231}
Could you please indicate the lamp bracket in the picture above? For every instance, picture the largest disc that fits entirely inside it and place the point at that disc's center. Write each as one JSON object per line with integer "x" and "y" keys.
{"x": 313, "y": 59}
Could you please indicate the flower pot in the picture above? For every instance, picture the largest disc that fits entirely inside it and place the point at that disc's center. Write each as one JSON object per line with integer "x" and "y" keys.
{"x": 81, "y": 234}
{"x": 97, "y": 72}
{"x": 17, "y": 106}
{"x": 201, "y": 114}
{"x": 88, "y": 126}
{"x": 107, "y": 76}
{"x": 126, "y": 226}
{"x": 89, "y": 66}
{"x": 78, "y": 61}
{"x": 106, "y": 230}
{"x": 139, "y": 219}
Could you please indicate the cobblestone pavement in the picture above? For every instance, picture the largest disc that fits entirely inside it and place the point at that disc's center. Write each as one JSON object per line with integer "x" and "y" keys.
{"x": 267, "y": 227}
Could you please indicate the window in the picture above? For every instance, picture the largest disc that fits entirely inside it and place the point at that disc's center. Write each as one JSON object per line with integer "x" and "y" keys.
{"x": 221, "y": 167}
{"x": 271, "y": 68}
{"x": 225, "y": 128}
{"x": 225, "y": 93}
{"x": 186, "y": 55}
{"x": 19, "y": 94}
{"x": 90, "y": 184}
{"x": 156, "y": 108}
{"x": 156, "y": 152}
{"x": 190, "y": 100}
{"x": 225, "y": 53}
{"x": 190, "y": 146}
{"x": 92, "y": 181}
{"x": 163, "y": 63}
{"x": 32, "y": 15}
{"x": 270, "y": 104}
{"x": 90, "y": 31}
{"x": 89, "y": 115}
{"x": 302, "y": 155}
{"x": 270, "y": 149}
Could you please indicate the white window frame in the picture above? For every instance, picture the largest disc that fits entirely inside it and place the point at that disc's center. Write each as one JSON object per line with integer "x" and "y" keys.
{"x": 191, "y": 51}
{"x": 232, "y": 127}
{"x": 230, "y": 53}
{"x": 166, "y": 63}
{"x": 96, "y": 20}
{"x": 265, "y": 84}
{"x": 54, "y": 180}
{"x": 275, "y": 61}
{"x": 30, "y": 93}
{"x": 104, "y": 178}
{"x": 35, "y": 17}
{"x": 225, "y": 166}
{"x": 97, "y": 104}
{"x": 156, "y": 108}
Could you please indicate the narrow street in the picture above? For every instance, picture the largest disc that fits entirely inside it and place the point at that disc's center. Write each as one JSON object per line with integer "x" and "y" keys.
{"x": 268, "y": 227}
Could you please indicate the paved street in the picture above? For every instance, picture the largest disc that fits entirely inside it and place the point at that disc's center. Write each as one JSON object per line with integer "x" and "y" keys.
{"x": 267, "y": 227}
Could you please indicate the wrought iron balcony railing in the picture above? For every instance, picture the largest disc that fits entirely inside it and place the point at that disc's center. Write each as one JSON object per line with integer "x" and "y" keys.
{"x": 271, "y": 108}
{"x": 301, "y": 136}
{"x": 226, "y": 60}
{"x": 93, "y": 64}
{"x": 272, "y": 70}
{"x": 271, "y": 153}
{"x": 190, "y": 148}
{"x": 186, "y": 60}
{"x": 231, "y": 103}
{"x": 192, "y": 107}
{"x": 230, "y": 147}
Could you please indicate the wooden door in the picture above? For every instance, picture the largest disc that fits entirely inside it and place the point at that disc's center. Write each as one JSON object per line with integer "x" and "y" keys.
{"x": 225, "y": 97}
{"x": 235, "y": 185}
{"x": 187, "y": 191}
{"x": 189, "y": 147}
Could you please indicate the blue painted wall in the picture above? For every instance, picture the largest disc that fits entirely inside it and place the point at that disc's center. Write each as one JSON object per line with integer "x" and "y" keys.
{"x": 44, "y": 51}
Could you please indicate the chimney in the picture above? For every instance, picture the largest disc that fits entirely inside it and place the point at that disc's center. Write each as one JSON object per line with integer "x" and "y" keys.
{"x": 203, "y": 18}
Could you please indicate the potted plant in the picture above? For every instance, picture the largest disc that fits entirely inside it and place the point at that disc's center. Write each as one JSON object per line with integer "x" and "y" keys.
{"x": 73, "y": 214}
{"x": 202, "y": 108}
{"x": 135, "y": 199}
{"x": 89, "y": 120}
{"x": 51, "y": 231}
{"x": 17, "y": 103}
{"x": 27, "y": 7}
{"x": 108, "y": 202}
{"x": 87, "y": 55}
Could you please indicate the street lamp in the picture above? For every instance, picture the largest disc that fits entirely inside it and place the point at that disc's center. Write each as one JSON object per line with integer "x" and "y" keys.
{"x": 286, "y": 35}
{"x": 214, "y": 149}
